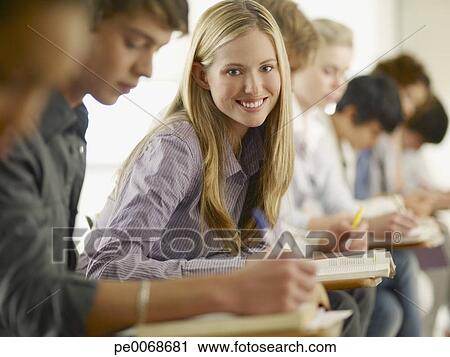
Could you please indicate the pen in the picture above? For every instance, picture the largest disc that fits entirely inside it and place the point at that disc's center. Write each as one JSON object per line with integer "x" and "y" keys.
{"x": 357, "y": 219}
{"x": 260, "y": 219}
{"x": 263, "y": 224}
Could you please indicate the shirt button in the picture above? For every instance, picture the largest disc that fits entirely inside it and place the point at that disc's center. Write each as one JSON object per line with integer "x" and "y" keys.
{"x": 81, "y": 149}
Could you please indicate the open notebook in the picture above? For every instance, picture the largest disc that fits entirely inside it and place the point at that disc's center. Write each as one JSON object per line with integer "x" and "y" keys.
{"x": 308, "y": 320}
{"x": 427, "y": 234}
{"x": 373, "y": 264}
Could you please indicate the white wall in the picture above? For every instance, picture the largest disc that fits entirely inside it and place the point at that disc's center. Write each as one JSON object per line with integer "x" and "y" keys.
{"x": 379, "y": 25}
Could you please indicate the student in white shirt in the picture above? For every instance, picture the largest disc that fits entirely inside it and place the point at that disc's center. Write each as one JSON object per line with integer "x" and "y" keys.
{"x": 318, "y": 174}
{"x": 319, "y": 197}
{"x": 359, "y": 120}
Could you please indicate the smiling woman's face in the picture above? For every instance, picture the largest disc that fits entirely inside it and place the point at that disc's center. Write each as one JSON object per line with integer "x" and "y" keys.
{"x": 244, "y": 80}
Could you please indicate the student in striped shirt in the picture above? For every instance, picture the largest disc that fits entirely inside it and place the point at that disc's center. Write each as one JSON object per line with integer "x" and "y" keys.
{"x": 40, "y": 295}
{"x": 224, "y": 147}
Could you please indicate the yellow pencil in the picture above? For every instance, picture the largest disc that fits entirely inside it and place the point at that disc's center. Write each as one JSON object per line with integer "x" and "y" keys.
{"x": 357, "y": 219}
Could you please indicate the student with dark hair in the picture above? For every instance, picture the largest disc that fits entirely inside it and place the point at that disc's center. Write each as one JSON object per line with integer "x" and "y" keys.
{"x": 397, "y": 164}
{"x": 40, "y": 183}
{"x": 370, "y": 105}
{"x": 404, "y": 171}
{"x": 429, "y": 124}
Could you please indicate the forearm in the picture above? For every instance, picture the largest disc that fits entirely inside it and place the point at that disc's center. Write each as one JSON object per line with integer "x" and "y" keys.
{"x": 169, "y": 300}
{"x": 178, "y": 299}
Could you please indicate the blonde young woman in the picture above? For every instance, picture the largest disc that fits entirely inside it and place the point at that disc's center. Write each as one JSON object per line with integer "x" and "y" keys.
{"x": 83, "y": 307}
{"x": 224, "y": 147}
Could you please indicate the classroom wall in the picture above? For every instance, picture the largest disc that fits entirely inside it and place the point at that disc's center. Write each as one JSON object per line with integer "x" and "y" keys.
{"x": 379, "y": 26}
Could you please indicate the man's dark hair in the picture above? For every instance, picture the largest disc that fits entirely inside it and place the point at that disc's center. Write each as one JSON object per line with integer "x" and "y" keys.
{"x": 430, "y": 121}
{"x": 375, "y": 97}
{"x": 171, "y": 14}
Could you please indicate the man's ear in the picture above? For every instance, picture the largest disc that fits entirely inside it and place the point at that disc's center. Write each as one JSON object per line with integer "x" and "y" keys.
{"x": 199, "y": 75}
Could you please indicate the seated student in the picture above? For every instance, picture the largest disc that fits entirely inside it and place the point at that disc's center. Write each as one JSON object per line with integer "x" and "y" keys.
{"x": 314, "y": 188}
{"x": 40, "y": 297}
{"x": 354, "y": 122}
{"x": 405, "y": 170}
{"x": 319, "y": 179}
{"x": 31, "y": 64}
{"x": 301, "y": 41}
{"x": 165, "y": 183}
{"x": 387, "y": 173}
{"x": 211, "y": 159}
{"x": 319, "y": 183}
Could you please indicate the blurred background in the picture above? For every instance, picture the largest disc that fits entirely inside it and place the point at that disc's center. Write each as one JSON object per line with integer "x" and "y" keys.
{"x": 382, "y": 29}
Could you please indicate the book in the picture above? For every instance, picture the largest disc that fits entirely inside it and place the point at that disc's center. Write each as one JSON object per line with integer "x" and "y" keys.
{"x": 307, "y": 320}
{"x": 371, "y": 265}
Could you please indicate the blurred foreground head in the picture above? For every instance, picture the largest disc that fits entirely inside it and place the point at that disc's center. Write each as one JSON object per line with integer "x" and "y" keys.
{"x": 41, "y": 42}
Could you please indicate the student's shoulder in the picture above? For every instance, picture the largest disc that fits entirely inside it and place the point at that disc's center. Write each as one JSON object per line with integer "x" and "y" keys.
{"x": 179, "y": 128}
{"x": 178, "y": 136}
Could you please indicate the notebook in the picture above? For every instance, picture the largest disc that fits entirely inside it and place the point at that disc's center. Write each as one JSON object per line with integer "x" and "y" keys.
{"x": 308, "y": 320}
{"x": 373, "y": 264}
{"x": 427, "y": 234}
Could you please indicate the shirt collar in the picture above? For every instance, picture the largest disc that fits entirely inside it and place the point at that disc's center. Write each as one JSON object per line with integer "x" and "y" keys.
{"x": 59, "y": 117}
{"x": 252, "y": 153}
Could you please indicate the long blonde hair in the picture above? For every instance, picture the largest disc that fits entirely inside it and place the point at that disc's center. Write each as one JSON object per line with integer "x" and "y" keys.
{"x": 219, "y": 25}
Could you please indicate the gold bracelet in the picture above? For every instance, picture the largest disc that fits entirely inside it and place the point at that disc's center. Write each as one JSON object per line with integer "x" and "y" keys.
{"x": 143, "y": 302}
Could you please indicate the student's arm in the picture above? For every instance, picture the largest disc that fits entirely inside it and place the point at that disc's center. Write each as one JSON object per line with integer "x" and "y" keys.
{"x": 164, "y": 178}
{"x": 38, "y": 297}
{"x": 274, "y": 286}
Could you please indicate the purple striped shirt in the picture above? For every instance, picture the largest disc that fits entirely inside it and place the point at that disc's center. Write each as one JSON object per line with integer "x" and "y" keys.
{"x": 153, "y": 228}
